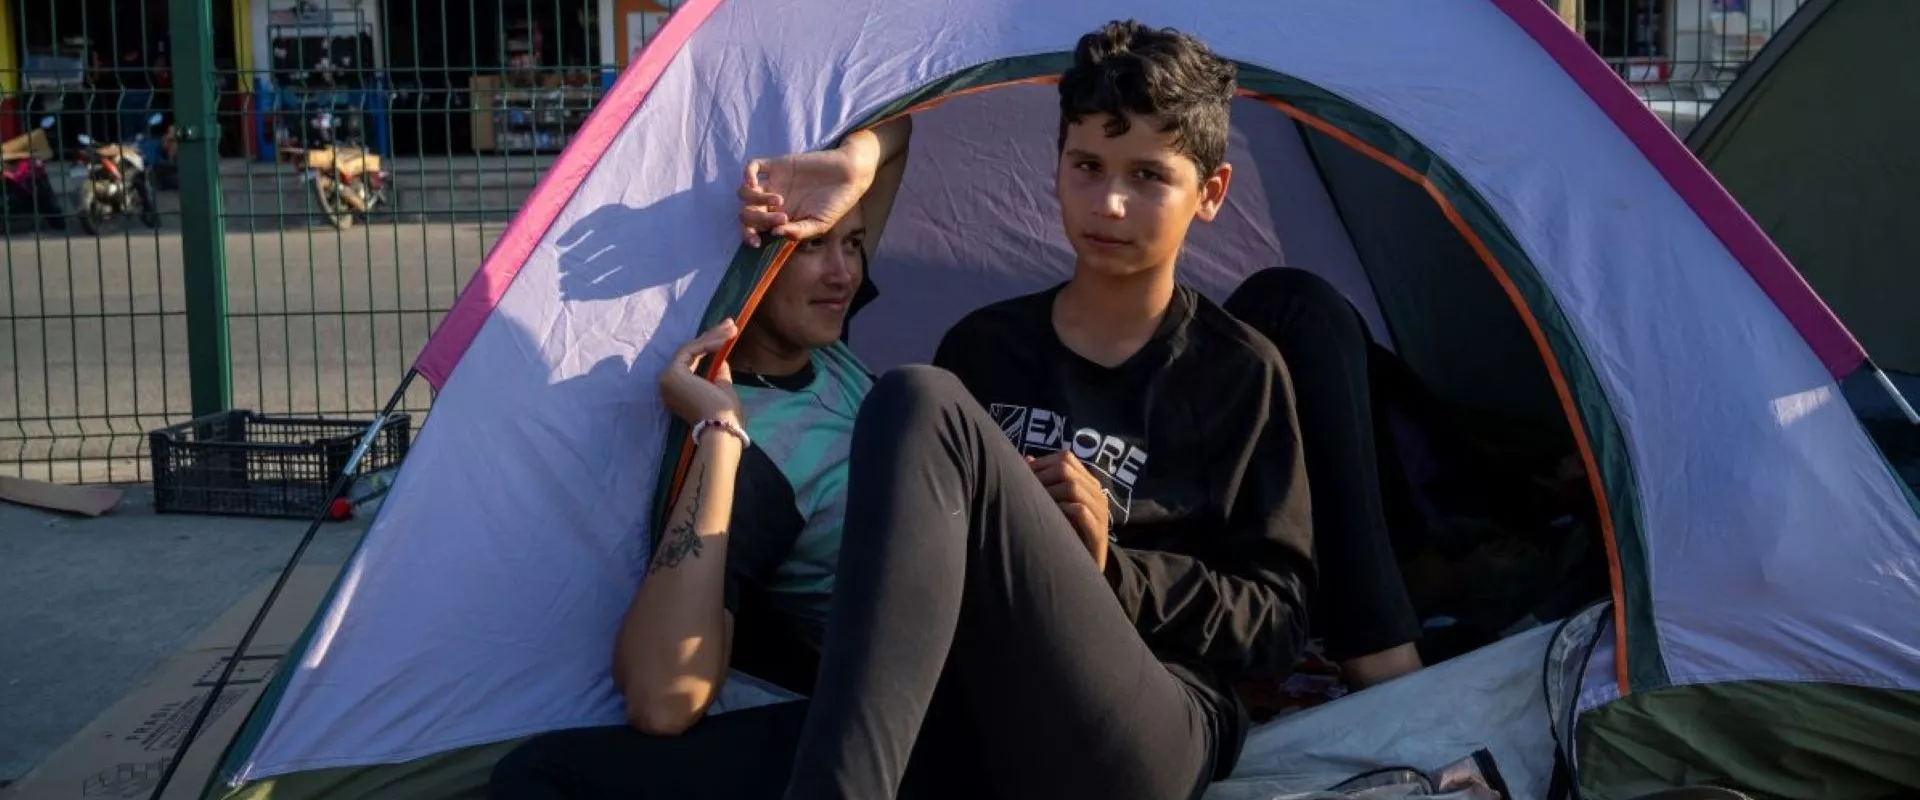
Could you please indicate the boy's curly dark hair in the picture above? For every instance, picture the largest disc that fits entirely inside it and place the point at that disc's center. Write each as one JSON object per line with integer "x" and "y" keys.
{"x": 1160, "y": 73}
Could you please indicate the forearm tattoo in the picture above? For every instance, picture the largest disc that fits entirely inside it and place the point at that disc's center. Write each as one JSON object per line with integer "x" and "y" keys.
{"x": 681, "y": 543}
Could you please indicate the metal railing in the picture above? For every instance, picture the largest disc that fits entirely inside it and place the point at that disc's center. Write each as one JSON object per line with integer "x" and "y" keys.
{"x": 88, "y": 352}
{"x": 1680, "y": 55}
{"x": 254, "y": 291}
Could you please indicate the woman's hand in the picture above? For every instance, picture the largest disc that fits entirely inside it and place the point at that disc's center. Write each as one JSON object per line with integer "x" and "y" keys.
{"x": 692, "y": 397}
{"x": 801, "y": 196}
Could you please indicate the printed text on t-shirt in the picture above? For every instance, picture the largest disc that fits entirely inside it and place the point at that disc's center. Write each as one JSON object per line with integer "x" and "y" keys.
{"x": 1038, "y": 431}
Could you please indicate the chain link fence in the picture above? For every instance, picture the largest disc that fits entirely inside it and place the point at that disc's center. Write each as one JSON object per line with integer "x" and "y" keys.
{"x": 88, "y": 355}
{"x": 365, "y": 155}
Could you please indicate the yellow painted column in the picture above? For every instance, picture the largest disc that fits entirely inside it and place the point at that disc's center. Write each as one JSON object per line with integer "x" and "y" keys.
{"x": 243, "y": 76}
{"x": 1571, "y": 12}
{"x": 9, "y": 53}
{"x": 243, "y": 41}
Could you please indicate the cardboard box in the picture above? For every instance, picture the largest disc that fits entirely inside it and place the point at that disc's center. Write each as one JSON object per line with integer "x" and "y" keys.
{"x": 480, "y": 90}
{"x": 89, "y": 501}
{"x": 123, "y": 751}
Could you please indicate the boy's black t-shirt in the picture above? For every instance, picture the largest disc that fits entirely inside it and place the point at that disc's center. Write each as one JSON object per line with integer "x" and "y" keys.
{"x": 1195, "y": 440}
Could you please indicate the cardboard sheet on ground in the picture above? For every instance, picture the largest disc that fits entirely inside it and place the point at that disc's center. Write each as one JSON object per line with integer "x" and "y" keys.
{"x": 123, "y": 751}
{"x": 89, "y": 500}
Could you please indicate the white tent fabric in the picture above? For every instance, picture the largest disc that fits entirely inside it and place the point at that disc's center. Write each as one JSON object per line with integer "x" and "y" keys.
{"x": 483, "y": 602}
{"x": 1487, "y": 699}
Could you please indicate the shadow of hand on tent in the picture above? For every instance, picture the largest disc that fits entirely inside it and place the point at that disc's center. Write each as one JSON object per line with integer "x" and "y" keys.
{"x": 605, "y": 255}
{"x": 579, "y": 409}
{"x": 592, "y": 376}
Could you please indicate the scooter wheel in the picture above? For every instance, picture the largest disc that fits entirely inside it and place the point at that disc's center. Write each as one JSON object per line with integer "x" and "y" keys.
{"x": 90, "y": 217}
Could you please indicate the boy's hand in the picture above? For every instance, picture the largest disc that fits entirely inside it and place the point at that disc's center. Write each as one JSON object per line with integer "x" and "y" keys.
{"x": 1080, "y": 497}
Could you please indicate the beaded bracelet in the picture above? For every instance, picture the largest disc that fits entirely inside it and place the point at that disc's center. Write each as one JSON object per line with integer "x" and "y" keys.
{"x": 723, "y": 424}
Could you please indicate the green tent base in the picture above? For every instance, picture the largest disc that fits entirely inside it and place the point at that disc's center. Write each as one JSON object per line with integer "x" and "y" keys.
{"x": 1771, "y": 739}
{"x": 453, "y": 775}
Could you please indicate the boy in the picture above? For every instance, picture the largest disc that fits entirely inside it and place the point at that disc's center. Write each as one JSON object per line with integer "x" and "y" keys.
{"x": 974, "y": 626}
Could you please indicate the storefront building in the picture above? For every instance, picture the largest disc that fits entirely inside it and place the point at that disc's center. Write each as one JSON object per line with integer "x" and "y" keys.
{"x": 96, "y": 66}
{"x": 433, "y": 77}
{"x": 1690, "y": 42}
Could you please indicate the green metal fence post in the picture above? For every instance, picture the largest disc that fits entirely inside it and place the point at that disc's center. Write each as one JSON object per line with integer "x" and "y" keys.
{"x": 202, "y": 242}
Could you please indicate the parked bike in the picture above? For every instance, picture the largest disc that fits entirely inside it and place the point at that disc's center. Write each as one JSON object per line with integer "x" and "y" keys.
{"x": 348, "y": 181}
{"x": 28, "y": 191}
{"x": 114, "y": 183}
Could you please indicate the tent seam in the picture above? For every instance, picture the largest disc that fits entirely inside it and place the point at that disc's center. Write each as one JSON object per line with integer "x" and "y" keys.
{"x": 1340, "y": 213}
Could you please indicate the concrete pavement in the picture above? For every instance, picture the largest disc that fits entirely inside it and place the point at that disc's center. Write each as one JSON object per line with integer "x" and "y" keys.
{"x": 93, "y": 605}
{"x": 93, "y": 354}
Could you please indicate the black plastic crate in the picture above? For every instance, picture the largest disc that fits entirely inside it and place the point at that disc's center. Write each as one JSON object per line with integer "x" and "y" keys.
{"x": 248, "y": 464}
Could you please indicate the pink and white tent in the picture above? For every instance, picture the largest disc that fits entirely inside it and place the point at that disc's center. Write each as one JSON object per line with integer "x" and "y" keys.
{"x": 1510, "y": 220}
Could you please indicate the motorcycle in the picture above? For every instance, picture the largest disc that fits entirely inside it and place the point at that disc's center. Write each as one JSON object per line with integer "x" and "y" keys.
{"x": 28, "y": 190}
{"x": 113, "y": 183}
{"x": 348, "y": 181}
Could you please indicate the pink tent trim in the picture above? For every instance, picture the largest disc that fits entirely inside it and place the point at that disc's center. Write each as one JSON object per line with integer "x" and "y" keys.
{"x": 477, "y": 301}
{"x": 1830, "y": 340}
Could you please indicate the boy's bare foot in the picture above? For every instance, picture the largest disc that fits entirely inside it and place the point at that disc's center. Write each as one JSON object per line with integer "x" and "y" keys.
{"x": 1374, "y": 669}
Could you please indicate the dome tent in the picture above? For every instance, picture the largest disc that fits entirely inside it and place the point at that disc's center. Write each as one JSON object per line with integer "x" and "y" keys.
{"x": 1812, "y": 142}
{"x": 1508, "y": 218}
